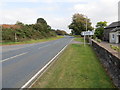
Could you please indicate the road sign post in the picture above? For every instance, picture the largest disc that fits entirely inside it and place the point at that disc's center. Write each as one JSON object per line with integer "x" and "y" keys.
{"x": 87, "y": 33}
{"x": 84, "y": 40}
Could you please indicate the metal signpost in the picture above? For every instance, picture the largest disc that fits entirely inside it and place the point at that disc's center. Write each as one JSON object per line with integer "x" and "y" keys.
{"x": 86, "y": 30}
{"x": 87, "y": 33}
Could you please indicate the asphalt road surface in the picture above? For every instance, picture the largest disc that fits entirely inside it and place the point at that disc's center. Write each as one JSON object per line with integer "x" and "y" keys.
{"x": 21, "y": 62}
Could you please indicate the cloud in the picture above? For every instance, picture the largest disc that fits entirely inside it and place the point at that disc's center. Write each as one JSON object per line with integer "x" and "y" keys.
{"x": 46, "y": 1}
{"x": 60, "y": 23}
{"x": 5, "y": 1}
{"x": 25, "y": 15}
{"x": 58, "y": 15}
{"x": 102, "y": 10}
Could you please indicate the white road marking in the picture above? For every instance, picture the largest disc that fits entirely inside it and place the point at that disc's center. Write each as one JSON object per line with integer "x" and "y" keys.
{"x": 8, "y": 48}
{"x": 13, "y": 57}
{"x": 44, "y": 46}
{"x": 47, "y": 45}
{"x": 33, "y": 78}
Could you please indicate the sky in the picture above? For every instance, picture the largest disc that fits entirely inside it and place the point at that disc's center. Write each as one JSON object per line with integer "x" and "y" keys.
{"x": 57, "y": 13}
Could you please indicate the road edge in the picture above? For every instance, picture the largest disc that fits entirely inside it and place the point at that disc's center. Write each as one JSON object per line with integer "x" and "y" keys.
{"x": 44, "y": 68}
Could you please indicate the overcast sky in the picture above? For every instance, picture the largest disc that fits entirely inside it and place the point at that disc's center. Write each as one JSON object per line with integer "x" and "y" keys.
{"x": 57, "y": 13}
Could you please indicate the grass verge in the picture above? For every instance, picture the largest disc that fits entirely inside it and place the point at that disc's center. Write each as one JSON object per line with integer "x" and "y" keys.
{"x": 32, "y": 41}
{"x": 77, "y": 67}
{"x": 79, "y": 39}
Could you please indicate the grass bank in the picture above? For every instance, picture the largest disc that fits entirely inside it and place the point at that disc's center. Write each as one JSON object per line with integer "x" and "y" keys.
{"x": 32, "y": 41}
{"x": 77, "y": 67}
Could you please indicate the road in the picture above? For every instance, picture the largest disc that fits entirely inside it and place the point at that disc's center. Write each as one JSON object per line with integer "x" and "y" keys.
{"x": 21, "y": 62}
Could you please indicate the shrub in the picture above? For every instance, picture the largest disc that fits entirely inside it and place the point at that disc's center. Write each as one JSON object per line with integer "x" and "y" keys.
{"x": 94, "y": 37}
{"x": 98, "y": 40}
{"x": 26, "y": 32}
{"x": 115, "y": 48}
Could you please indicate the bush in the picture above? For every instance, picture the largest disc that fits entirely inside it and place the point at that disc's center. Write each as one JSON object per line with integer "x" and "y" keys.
{"x": 115, "y": 48}
{"x": 98, "y": 40}
{"x": 94, "y": 37}
{"x": 26, "y": 32}
{"x": 8, "y": 34}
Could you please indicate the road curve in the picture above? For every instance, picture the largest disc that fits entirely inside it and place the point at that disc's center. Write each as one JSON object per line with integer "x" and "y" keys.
{"x": 21, "y": 62}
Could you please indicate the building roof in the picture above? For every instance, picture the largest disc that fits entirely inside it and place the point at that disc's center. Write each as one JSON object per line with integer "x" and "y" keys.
{"x": 115, "y": 29}
{"x": 113, "y": 25}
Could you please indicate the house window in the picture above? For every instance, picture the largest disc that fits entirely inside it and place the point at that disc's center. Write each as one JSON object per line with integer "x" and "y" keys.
{"x": 113, "y": 36}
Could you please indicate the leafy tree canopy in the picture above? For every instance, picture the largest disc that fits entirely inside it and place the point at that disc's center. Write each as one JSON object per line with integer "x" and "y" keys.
{"x": 61, "y": 32}
{"x": 100, "y": 29}
{"x": 26, "y": 32}
{"x": 79, "y": 24}
{"x": 41, "y": 21}
{"x": 19, "y": 23}
{"x": 101, "y": 24}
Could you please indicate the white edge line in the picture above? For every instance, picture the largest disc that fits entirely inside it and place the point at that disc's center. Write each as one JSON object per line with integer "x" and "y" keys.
{"x": 13, "y": 57}
{"x": 26, "y": 84}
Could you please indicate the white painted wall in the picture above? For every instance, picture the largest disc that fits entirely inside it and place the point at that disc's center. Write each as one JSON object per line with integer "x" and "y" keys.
{"x": 114, "y": 39}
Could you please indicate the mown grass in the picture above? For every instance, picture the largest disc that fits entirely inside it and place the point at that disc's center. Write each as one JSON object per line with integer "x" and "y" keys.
{"x": 77, "y": 67}
{"x": 32, "y": 41}
{"x": 79, "y": 39}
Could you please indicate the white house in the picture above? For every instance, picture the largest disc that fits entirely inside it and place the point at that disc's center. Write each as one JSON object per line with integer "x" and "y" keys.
{"x": 112, "y": 32}
{"x": 114, "y": 36}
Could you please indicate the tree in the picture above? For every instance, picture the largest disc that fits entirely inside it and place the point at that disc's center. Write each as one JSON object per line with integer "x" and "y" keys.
{"x": 61, "y": 32}
{"x": 41, "y": 20}
{"x": 41, "y": 25}
{"x": 100, "y": 29}
{"x": 19, "y": 23}
{"x": 79, "y": 24}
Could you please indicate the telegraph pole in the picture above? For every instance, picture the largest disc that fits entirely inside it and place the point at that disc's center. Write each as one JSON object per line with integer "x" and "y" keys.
{"x": 15, "y": 37}
{"x": 86, "y": 30}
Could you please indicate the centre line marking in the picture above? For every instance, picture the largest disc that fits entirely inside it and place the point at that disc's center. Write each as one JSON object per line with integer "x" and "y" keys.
{"x": 47, "y": 45}
{"x": 44, "y": 46}
{"x": 13, "y": 57}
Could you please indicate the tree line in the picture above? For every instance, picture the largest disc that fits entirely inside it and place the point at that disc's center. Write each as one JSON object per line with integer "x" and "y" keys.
{"x": 22, "y": 32}
{"x": 39, "y": 30}
{"x": 80, "y": 22}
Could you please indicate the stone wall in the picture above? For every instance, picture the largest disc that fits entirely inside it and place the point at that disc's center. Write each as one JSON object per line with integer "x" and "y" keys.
{"x": 110, "y": 62}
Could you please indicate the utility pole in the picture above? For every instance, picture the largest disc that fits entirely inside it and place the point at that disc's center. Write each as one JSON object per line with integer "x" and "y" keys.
{"x": 86, "y": 30}
{"x": 15, "y": 37}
